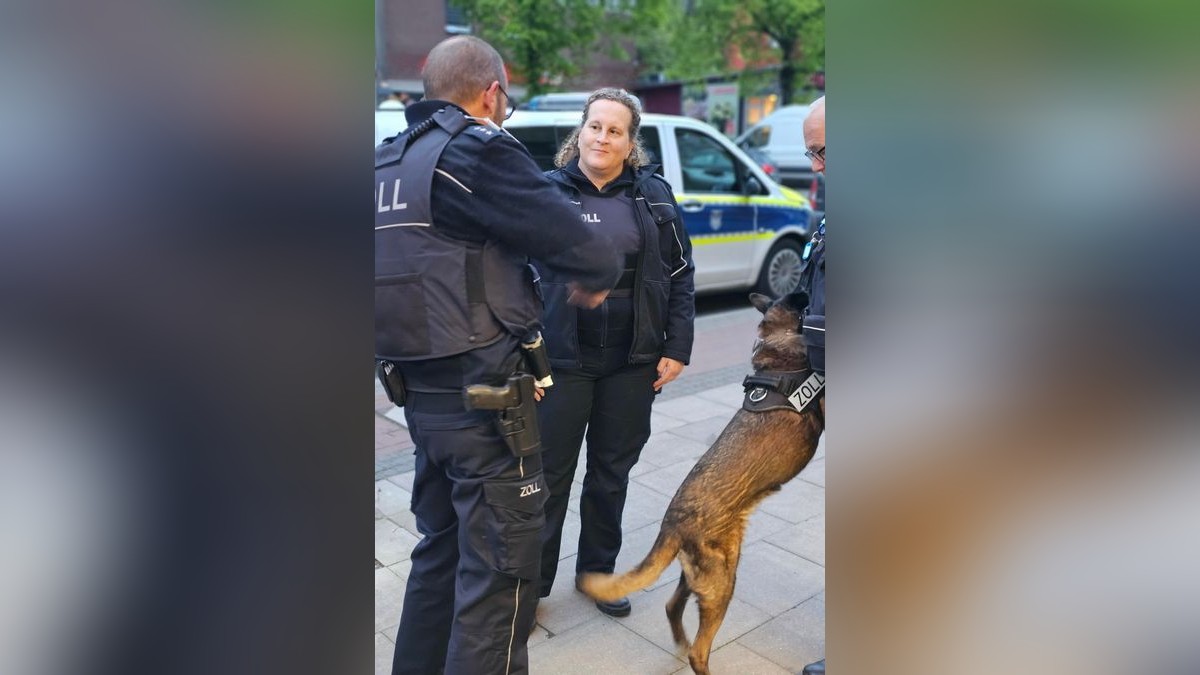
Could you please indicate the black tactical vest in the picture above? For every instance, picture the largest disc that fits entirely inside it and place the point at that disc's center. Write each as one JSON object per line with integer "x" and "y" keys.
{"x": 436, "y": 296}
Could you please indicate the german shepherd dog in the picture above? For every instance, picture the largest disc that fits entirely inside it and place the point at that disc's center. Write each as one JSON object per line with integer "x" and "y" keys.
{"x": 753, "y": 457}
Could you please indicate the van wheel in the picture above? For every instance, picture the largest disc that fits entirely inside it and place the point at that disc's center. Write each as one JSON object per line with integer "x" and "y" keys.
{"x": 781, "y": 271}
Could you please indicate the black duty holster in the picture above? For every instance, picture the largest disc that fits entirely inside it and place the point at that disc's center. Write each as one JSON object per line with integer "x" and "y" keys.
{"x": 393, "y": 385}
{"x": 517, "y": 419}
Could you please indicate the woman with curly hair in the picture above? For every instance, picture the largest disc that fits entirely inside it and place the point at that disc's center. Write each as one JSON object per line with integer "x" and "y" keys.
{"x": 609, "y": 362}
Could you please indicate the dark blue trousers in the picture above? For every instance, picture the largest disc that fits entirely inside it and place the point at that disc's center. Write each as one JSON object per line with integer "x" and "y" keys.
{"x": 473, "y": 590}
{"x": 608, "y": 401}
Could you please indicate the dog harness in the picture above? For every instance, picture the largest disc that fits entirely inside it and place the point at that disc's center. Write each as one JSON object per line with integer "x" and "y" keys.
{"x": 794, "y": 390}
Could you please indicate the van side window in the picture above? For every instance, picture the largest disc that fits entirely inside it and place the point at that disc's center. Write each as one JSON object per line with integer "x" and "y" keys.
{"x": 652, "y": 146}
{"x": 542, "y": 143}
{"x": 707, "y": 166}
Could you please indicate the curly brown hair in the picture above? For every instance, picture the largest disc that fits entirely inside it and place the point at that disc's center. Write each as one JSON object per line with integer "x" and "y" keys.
{"x": 637, "y": 157}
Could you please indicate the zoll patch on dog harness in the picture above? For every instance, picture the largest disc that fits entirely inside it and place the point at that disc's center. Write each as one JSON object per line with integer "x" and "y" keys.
{"x": 807, "y": 391}
{"x": 782, "y": 390}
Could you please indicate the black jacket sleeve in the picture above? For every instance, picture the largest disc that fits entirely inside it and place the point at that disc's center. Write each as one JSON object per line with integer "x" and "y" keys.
{"x": 504, "y": 194}
{"x": 681, "y": 302}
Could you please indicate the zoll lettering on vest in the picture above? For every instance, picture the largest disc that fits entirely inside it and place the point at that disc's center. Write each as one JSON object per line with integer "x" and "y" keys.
{"x": 396, "y": 204}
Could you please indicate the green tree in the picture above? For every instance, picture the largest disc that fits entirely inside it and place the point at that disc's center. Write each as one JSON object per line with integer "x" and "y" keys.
{"x": 542, "y": 40}
{"x": 790, "y": 31}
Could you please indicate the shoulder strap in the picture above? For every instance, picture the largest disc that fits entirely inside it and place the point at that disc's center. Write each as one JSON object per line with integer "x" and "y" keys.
{"x": 447, "y": 119}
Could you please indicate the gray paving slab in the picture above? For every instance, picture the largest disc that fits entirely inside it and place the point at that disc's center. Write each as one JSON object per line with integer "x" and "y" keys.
{"x": 407, "y": 520}
{"x": 600, "y": 646}
{"x": 814, "y": 472}
{"x": 734, "y": 659}
{"x": 580, "y": 467}
{"x": 667, "y": 448}
{"x": 694, "y": 408}
{"x": 763, "y": 524}
{"x": 806, "y": 539}
{"x": 793, "y": 639}
{"x": 705, "y": 431}
{"x": 742, "y": 316}
{"x": 662, "y": 422}
{"x": 777, "y": 580}
{"x": 393, "y": 543}
{"x": 642, "y": 507}
{"x": 728, "y": 395}
{"x": 649, "y": 619}
{"x": 402, "y": 568}
{"x": 384, "y": 649}
{"x": 404, "y": 480}
{"x": 693, "y": 382}
{"x": 389, "y": 599}
{"x": 393, "y": 464}
{"x": 666, "y": 480}
{"x": 397, "y": 415}
{"x": 537, "y": 636}
{"x": 391, "y": 498}
{"x": 796, "y": 502}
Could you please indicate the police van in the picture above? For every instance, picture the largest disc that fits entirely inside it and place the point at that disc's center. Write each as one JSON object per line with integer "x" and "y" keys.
{"x": 747, "y": 231}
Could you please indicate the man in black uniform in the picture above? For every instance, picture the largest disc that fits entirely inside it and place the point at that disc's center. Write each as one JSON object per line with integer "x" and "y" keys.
{"x": 812, "y": 277}
{"x": 460, "y": 207}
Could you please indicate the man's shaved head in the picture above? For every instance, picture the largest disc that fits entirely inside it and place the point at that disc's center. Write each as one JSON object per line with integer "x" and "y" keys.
{"x": 814, "y": 132}
{"x": 816, "y": 119}
{"x": 458, "y": 69}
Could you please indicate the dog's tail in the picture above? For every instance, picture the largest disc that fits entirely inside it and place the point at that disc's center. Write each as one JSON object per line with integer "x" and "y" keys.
{"x": 608, "y": 587}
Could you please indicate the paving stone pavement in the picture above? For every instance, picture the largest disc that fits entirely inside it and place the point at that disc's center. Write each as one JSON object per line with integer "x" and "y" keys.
{"x": 776, "y": 622}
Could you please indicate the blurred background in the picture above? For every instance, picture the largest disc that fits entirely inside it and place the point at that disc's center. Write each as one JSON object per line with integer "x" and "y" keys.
{"x": 749, "y": 69}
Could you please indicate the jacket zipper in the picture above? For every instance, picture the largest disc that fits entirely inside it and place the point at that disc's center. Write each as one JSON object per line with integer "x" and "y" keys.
{"x": 641, "y": 265}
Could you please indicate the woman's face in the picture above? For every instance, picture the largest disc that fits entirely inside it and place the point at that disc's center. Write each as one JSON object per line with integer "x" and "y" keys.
{"x": 604, "y": 141}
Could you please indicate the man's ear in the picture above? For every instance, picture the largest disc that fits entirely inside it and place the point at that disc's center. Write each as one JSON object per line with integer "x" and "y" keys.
{"x": 760, "y": 302}
{"x": 494, "y": 87}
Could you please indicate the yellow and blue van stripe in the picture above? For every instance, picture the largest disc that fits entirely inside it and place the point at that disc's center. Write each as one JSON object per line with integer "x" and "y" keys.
{"x": 773, "y": 214}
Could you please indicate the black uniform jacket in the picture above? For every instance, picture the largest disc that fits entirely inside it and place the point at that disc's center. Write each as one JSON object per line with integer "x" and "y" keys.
{"x": 664, "y": 288}
{"x": 487, "y": 187}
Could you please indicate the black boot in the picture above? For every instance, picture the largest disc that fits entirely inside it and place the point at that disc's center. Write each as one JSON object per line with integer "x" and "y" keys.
{"x": 618, "y": 607}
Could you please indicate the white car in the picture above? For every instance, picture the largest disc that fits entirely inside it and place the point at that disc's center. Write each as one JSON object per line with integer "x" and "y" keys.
{"x": 389, "y": 120}
{"x": 747, "y": 231}
{"x": 781, "y": 136}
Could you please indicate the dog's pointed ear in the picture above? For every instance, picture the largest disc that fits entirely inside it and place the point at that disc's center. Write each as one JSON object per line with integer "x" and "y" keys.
{"x": 797, "y": 300}
{"x": 760, "y": 302}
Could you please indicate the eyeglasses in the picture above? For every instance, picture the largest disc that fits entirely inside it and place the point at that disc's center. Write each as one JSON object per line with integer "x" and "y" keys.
{"x": 813, "y": 154}
{"x": 510, "y": 107}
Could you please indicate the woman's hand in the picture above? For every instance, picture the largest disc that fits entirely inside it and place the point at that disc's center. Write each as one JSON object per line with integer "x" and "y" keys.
{"x": 668, "y": 370}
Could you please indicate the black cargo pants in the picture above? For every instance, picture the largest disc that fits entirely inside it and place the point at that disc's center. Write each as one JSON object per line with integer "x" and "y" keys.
{"x": 609, "y": 401}
{"x": 472, "y": 593}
